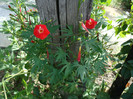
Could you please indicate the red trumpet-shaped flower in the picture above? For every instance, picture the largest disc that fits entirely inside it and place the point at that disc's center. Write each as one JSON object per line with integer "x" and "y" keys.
{"x": 41, "y": 31}
{"x": 79, "y": 55}
{"x": 90, "y": 24}
{"x": 83, "y": 25}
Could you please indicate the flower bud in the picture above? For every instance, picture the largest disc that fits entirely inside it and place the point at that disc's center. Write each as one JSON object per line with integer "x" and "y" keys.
{"x": 79, "y": 55}
{"x": 9, "y": 6}
{"x": 79, "y": 39}
{"x": 32, "y": 41}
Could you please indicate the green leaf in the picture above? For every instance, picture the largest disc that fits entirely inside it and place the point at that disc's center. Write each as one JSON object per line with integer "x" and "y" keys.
{"x": 36, "y": 92}
{"x": 117, "y": 30}
{"x": 103, "y": 0}
{"x": 72, "y": 88}
{"x": 68, "y": 70}
{"x": 130, "y": 28}
{"x": 42, "y": 79}
{"x": 24, "y": 83}
{"x": 87, "y": 47}
{"x": 124, "y": 26}
{"x": 93, "y": 44}
{"x": 98, "y": 25}
{"x": 103, "y": 95}
{"x": 108, "y": 2}
{"x": 123, "y": 34}
{"x": 132, "y": 8}
{"x": 38, "y": 65}
{"x": 27, "y": 34}
{"x": 118, "y": 66}
{"x": 104, "y": 25}
{"x": 53, "y": 29}
{"x": 60, "y": 55}
{"x": 73, "y": 97}
{"x": 109, "y": 27}
{"x": 55, "y": 76}
{"x": 81, "y": 71}
{"x": 30, "y": 87}
{"x": 99, "y": 66}
{"x": 125, "y": 49}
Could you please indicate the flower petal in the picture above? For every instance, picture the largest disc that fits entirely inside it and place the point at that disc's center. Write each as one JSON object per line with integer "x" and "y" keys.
{"x": 42, "y": 35}
{"x": 90, "y": 24}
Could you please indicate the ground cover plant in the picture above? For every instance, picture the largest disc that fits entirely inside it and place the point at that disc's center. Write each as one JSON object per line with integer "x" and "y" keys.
{"x": 37, "y": 68}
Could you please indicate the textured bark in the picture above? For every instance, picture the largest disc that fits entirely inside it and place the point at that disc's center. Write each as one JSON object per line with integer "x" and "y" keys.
{"x": 48, "y": 11}
{"x": 64, "y": 12}
{"x": 119, "y": 84}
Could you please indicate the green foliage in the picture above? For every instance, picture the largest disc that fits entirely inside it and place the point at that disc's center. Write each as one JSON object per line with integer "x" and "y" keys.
{"x": 46, "y": 70}
{"x": 103, "y": 95}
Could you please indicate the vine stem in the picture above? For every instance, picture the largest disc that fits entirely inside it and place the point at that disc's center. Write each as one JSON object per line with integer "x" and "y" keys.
{"x": 4, "y": 88}
{"x": 12, "y": 76}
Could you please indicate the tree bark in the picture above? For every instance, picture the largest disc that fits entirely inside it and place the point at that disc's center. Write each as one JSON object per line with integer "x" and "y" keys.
{"x": 64, "y": 12}
{"x": 119, "y": 84}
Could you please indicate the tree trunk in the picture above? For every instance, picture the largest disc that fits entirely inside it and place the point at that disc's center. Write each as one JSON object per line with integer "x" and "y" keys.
{"x": 64, "y": 12}
{"x": 119, "y": 84}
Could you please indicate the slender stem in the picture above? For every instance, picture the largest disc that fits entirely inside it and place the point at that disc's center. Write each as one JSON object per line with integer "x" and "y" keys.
{"x": 3, "y": 81}
{"x": 19, "y": 73}
{"x": 4, "y": 89}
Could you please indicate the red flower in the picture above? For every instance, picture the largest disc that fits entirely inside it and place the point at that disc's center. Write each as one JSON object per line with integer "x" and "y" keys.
{"x": 32, "y": 41}
{"x": 41, "y": 31}
{"x": 90, "y": 24}
{"x": 79, "y": 54}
